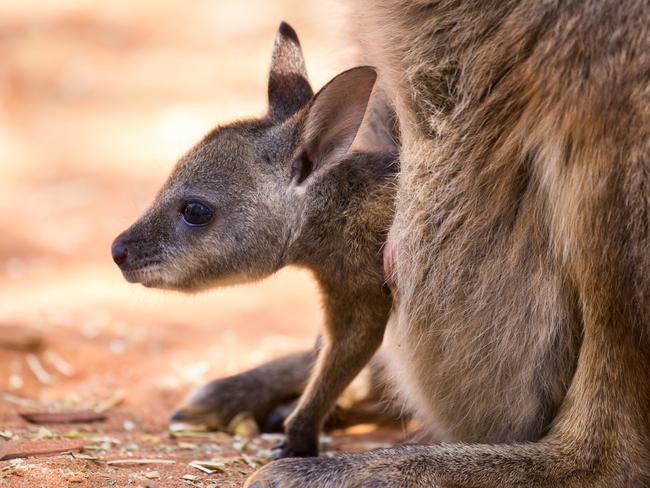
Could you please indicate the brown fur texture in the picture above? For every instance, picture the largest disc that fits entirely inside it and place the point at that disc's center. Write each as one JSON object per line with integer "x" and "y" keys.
{"x": 258, "y": 195}
{"x": 522, "y": 251}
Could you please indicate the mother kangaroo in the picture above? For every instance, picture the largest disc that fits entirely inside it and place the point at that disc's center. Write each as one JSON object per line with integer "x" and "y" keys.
{"x": 522, "y": 240}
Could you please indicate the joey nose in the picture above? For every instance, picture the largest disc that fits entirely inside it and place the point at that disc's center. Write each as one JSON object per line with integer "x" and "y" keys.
{"x": 120, "y": 252}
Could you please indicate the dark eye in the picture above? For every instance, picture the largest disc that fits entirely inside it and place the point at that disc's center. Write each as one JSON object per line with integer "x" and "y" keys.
{"x": 196, "y": 213}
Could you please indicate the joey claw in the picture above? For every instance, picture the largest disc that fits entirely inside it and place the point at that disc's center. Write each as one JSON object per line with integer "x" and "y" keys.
{"x": 283, "y": 451}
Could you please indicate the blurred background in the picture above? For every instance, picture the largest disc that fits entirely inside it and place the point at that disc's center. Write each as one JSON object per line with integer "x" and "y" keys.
{"x": 97, "y": 102}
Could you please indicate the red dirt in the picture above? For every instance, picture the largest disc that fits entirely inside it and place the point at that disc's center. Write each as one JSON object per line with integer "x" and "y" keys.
{"x": 97, "y": 101}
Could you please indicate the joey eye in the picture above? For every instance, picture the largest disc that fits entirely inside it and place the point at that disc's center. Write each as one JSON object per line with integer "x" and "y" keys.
{"x": 196, "y": 213}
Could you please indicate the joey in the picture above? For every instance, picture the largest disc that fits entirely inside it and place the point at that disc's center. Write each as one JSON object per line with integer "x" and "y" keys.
{"x": 284, "y": 189}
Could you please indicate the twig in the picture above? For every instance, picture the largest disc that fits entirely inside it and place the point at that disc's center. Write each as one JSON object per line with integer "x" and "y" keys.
{"x": 141, "y": 461}
{"x": 21, "y": 449}
{"x": 65, "y": 417}
{"x": 20, "y": 401}
{"x": 37, "y": 368}
{"x": 60, "y": 364}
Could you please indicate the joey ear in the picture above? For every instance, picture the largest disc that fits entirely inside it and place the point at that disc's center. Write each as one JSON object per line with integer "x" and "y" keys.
{"x": 289, "y": 88}
{"x": 333, "y": 119}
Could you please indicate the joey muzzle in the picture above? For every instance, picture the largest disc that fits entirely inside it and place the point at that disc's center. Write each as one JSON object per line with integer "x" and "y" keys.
{"x": 136, "y": 267}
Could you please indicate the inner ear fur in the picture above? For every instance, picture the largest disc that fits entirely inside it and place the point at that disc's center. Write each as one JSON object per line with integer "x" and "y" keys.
{"x": 335, "y": 115}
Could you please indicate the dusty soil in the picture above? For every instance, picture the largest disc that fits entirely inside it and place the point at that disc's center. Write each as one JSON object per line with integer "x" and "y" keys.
{"x": 97, "y": 101}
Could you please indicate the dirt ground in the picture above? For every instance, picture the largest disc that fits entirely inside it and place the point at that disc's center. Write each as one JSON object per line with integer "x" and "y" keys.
{"x": 97, "y": 101}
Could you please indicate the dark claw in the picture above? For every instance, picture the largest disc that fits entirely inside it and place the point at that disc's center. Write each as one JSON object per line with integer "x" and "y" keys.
{"x": 281, "y": 451}
{"x": 284, "y": 452}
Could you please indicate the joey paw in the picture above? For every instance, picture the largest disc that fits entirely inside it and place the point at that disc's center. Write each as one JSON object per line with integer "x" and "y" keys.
{"x": 216, "y": 403}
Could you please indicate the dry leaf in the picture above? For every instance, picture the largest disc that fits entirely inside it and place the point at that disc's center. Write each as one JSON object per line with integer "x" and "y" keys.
{"x": 185, "y": 427}
{"x": 248, "y": 460}
{"x": 244, "y": 425}
{"x": 84, "y": 457}
{"x": 91, "y": 436}
{"x": 6, "y": 434}
{"x": 208, "y": 467}
{"x": 217, "y": 437}
{"x": 44, "y": 433}
{"x": 181, "y": 445}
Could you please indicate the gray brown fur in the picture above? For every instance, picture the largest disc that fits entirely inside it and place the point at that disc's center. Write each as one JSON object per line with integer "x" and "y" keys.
{"x": 522, "y": 235}
{"x": 285, "y": 190}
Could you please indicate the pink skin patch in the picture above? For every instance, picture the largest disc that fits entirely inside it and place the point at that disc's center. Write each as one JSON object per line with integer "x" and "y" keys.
{"x": 389, "y": 252}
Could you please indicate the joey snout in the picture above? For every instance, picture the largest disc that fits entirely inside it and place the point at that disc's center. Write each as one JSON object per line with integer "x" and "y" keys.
{"x": 139, "y": 262}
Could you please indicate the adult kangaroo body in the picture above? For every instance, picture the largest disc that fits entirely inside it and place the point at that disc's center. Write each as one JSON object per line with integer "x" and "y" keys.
{"x": 522, "y": 239}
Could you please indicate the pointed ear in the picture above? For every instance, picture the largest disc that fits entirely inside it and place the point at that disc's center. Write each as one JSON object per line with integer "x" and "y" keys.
{"x": 333, "y": 119}
{"x": 289, "y": 88}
